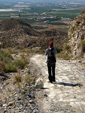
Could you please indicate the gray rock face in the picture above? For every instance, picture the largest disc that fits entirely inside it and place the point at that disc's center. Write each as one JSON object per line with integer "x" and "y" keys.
{"x": 76, "y": 36}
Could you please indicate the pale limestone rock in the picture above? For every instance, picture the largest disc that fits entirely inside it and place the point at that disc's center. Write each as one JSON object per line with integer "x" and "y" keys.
{"x": 76, "y": 34}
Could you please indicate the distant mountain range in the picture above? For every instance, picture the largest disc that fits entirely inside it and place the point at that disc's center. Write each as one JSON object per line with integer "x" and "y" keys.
{"x": 56, "y": 1}
{"x": 51, "y": 1}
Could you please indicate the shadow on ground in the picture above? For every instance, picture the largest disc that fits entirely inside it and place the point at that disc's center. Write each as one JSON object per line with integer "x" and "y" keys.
{"x": 69, "y": 84}
{"x": 3, "y": 76}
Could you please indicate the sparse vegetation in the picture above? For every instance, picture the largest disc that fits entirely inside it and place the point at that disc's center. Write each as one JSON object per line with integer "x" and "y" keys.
{"x": 72, "y": 30}
{"x": 59, "y": 50}
{"x": 6, "y": 61}
{"x": 2, "y": 67}
{"x": 28, "y": 78}
{"x": 25, "y": 89}
{"x": 83, "y": 11}
{"x": 8, "y": 64}
{"x": 83, "y": 45}
{"x": 5, "y": 57}
{"x": 57, "y": 23}
{"x": 79, "y": 85}
{"x": 18, "y": 78}
{"x": 10, "y": 68}
{"x": 11, "y": 50}
{"x": 63, "y": 55}
{"x": 20, "y": 63}
{"x": 9, "y": 90}
{"x": 66, "y": 47}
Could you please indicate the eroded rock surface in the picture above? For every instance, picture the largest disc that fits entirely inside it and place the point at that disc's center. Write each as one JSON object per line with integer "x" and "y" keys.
{"x": 76, "y": 36}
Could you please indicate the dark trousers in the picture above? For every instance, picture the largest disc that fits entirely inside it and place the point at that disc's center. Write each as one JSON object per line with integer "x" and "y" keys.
{"x": 51, "y": 72}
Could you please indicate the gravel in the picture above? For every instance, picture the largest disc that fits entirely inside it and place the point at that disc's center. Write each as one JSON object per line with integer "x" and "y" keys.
{"x": 21, "y": 102}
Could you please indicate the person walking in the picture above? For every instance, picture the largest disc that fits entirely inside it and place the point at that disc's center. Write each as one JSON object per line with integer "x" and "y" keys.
{"x": 51, "y": 61}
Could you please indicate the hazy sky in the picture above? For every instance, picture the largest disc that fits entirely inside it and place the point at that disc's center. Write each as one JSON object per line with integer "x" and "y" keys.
{"x": 41, "y": 1}
{"x": 48, "y": 0}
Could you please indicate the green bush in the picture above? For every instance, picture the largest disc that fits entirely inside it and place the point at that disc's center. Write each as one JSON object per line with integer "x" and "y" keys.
{"x": 63, "y": 55}
{"x": 7, "y": 60}
{"x": 83, "y": 11}
{"x": 8, "y": 64}
{"x": 5, "y": 57}
{"x": 10, "y": 68}
{"x": 20, "y": 63}
{"x": 58, "y": 50}
{"x": 25, "y": 89}
{"x": 66, "y": 47}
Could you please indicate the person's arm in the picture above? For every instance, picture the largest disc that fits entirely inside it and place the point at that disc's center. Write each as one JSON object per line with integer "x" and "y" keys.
{"x": 46, "y": 52}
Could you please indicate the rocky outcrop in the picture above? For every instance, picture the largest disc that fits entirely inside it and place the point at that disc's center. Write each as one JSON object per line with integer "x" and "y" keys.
{"x": 76, "y": 36}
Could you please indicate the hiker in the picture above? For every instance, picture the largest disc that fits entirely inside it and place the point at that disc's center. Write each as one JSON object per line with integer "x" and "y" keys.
{"x": 51, "y": 61}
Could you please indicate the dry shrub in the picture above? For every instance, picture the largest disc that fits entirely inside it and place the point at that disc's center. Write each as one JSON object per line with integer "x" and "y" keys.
{"x": 66, "y": 47}
{"x": 63, "y": 55}
{"x": 28, "y": 78}
{"x": 20, "y": 63}
{"x": 18, "y": 78}
{"x": 11, "y": 50}
{"x": 10, "y": 68}
{"x": 5, "y": 56}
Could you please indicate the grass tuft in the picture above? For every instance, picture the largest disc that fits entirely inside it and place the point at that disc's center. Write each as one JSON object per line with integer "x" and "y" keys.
{"x": 10, "y": 68}
{"x": 18, "y": 78}
{"x": 25, "y": 89}
{"x": 20, "y": 63}
{"x": 66, "y": 47}
{"x": 63, "y": 55}
{"x": 28, "y": 78}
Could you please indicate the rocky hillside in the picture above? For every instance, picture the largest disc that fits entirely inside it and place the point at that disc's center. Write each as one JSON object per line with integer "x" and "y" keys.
{"x": 19, "y": 34}
{"x": 14, "y": 32}
{"x": 76, "y": 36}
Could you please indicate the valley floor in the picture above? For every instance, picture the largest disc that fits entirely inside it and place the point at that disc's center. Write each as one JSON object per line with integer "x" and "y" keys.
{"x": 67, "y": 95}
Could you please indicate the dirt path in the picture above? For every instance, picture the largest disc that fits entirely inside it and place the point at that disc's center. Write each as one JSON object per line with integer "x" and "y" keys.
{"x": 67, "y": 95}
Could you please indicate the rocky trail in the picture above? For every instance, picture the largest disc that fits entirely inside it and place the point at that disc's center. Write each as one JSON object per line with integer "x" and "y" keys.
{"x": 67, "y": 95}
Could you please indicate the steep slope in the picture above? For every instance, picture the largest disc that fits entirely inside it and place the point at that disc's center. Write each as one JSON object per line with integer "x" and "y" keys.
{"x": 76, "y": 36}
{"x": 13, "y": 23}
{"x": 14, "y": 32}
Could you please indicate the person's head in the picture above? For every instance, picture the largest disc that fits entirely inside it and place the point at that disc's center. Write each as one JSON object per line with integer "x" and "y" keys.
{"x": 51, "y": 44}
